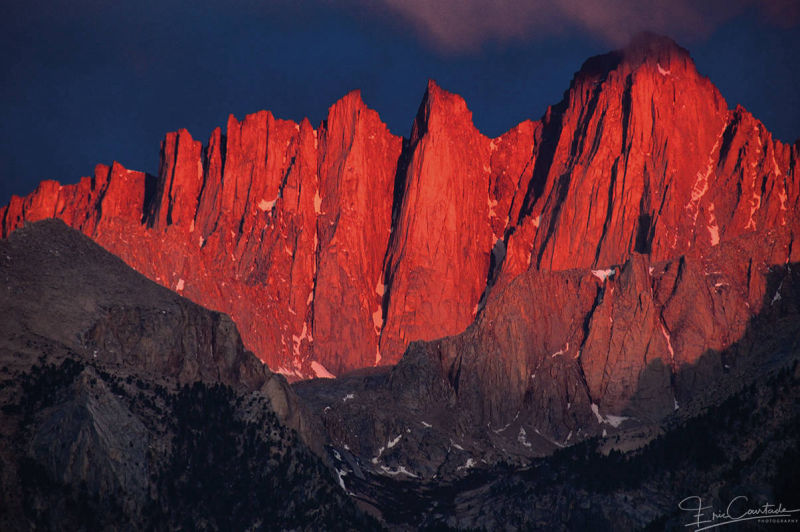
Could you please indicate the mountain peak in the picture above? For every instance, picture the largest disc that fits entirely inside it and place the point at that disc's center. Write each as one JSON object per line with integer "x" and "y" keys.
{"x": 440, "y": 107}
{"x": 661, "y": 52}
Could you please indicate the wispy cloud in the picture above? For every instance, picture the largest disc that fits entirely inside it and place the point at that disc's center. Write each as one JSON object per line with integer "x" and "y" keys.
{"x": 454, "y": 26}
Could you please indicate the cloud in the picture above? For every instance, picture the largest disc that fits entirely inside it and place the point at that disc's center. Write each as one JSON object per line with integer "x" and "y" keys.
{"x": 457, "y": 26}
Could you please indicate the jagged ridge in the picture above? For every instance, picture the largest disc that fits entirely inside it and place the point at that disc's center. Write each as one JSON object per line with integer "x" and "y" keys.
{"x": 334, "y": 248}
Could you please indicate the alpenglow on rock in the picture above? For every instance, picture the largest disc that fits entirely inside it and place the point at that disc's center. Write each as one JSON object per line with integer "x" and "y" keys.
{"x": 340, "y": 245}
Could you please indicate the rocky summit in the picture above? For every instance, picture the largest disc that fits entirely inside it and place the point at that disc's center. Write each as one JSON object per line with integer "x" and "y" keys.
{"x": 334, "y": 248}
{"x": 505, "y": 317}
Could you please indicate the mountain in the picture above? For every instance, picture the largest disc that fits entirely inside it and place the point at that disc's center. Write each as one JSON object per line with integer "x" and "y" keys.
{"x": 126, "y": 406}
{"x": 583, "y": 295}
{"x": 334, "y": 248}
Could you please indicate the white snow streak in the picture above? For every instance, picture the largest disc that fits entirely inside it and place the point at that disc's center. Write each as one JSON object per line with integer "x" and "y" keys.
{"x": 662, "y": 70}
{"x": 700, "y": 186}
{"x": 669, "y": 341}
{"x": 398, "y": 471}
{"x": 377, "y": 457}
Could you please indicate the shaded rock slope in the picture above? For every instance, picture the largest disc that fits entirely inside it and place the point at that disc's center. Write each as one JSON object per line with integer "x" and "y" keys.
{"x": 617, "y": 358}
{"x": 334, "y": 248}
{"x": 125, "y": 406}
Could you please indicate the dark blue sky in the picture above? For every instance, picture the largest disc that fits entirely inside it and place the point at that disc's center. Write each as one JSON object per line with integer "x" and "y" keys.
{"x": 85, "y": 82}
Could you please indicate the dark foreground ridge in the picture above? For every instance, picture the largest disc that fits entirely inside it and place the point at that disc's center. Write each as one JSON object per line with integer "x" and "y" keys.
{"x": 127, "y": 407}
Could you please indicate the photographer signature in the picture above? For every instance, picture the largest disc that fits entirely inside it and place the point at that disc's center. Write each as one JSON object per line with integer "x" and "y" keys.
{"x": 737, "y": 511}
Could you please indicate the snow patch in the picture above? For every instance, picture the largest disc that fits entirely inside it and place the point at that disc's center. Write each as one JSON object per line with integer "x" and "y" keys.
{"x": 380, "y": 289}
{"x": 317, "y": 203}
{"x": 675, "y": 403}
{"x": 288, "y": 372}
{"x": 297, "y": 340}
{"x": 180, "y": 285}
{"x": 426, "y": 425}
{"x": 596, "y": 411}
{"x": 394, "y": 442}
{"x": 320, "y": 370}
{"x": 604, "y": 274}
{"x": 378, "y": 456}
{"x": 457, "y": 446}
{"x": 310, "y": 298}
{"x": 348, "y": 397}
{"x": 377, "y": 355}
{"x": 700, "y": 186}
{"x": 469, "y": 464}
{"x": 561, "y": 351}
{"x": 265, "y": 205}
{"x": 377, "y": 321}
{"x": 341, "y": 474}
{"x": 713, "y": 228}
{"x": 522, "y": 438}
{"x": 662, "y": 70}
{"x": 777, "y": 297}
{"x": 401, "y": 470}
{"x": 614, "y": 421}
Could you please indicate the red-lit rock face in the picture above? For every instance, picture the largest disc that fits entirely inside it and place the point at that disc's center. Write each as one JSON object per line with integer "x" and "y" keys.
{"x": 334, "y": 248}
